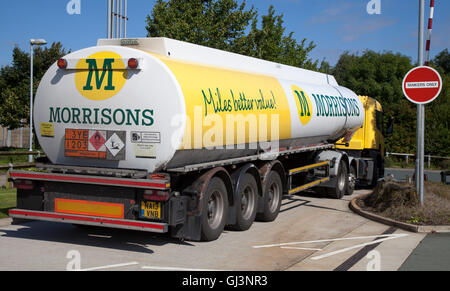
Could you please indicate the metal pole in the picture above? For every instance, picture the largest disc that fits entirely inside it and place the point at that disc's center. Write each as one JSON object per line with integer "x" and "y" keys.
{"x": 30, "y": 157}
{"x": 422, "y": 154}
{"x": 420, "y": 110}
{"x": 112, "y": 18}
{"x": 117, "y": 18}
{"x": 120, "y": 19}
{"x": 109, "y": 34}
{"x": 126, "y": 19}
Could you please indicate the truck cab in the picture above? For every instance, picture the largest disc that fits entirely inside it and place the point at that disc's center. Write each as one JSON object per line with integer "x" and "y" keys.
{"x": 366, "y": 149}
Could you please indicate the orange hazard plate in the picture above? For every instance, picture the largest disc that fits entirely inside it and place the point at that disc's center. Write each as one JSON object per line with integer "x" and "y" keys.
{"x": 76, "y": 144}
{"x": 90, "y": 208}
{"x": 77, "y": 139}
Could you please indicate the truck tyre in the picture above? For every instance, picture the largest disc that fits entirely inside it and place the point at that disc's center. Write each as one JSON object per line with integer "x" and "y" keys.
{"x": 273, "y": 194}
{"x": 341, "y": 182}
{"x": 214, "y": 210}
{"x": 247, "y": 203}
{"x": 351, "y": 181}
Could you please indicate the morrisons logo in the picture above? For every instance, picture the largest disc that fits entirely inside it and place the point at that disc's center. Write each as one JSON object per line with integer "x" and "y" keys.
{"x": 107, "y": 69}
{"x": 303, "y": 103}
{"x": 100, "y": 76}
{"x": 331, "y": 106}
{"x": 326, "y": 106}
{"x": 304, "y": 106}
{"x": 103, "y": 116}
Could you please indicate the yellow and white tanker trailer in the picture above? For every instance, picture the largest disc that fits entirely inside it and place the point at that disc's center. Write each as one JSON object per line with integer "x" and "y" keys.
{"x": 160, "y": 135}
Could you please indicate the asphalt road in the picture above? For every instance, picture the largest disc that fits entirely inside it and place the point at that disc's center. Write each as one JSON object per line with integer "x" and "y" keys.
{"x": 432, "y": 254}
{"x": 311, "y": 233}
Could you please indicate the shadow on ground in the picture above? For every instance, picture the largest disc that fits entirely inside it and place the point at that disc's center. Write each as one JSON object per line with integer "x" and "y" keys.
{"x": 125, "y": 240}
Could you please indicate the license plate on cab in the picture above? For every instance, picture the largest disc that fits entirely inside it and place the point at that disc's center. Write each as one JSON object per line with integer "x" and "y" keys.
{"x": 151, "y": 209}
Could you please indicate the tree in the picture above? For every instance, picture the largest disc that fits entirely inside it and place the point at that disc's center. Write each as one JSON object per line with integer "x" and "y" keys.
{"x": 437, "y": 113}
{"x": 380, "y": 75}
{"x": 442, "y": 61}
{"x": 271, "y": 43}
{"x": 222, "y": 24}
{"x": 15, "y": 83}
{"x": 215, "y": 23}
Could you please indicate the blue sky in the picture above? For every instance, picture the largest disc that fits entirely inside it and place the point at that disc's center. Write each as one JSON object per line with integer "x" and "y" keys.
{"x": 334, "y": 25}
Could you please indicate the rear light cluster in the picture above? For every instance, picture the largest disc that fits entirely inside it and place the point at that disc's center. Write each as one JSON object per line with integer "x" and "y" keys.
{"x": 62, "y": 63}
{"x": 133, "y": 63}
{"x": 156, "y": 195}
{"x": 158, "y": 177}
{"x": 23, "y": 184}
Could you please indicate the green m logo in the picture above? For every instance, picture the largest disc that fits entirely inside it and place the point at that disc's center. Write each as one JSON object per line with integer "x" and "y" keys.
{"x": 304, "y": 106}
{"x": 101, "y": 75}
{"x": 303, "y": 103}
{"x": 107, "y": 69}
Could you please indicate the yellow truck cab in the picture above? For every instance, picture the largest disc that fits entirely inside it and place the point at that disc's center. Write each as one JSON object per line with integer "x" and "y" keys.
{"x": 366, "y": 148}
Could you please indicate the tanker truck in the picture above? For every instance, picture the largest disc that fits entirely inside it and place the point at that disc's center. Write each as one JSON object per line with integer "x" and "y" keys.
{"x": 159, "y": 135}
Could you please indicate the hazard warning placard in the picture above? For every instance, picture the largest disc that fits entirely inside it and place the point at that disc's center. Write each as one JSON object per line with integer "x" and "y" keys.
{"x": 115, "y": 145}
{"x": 97, "y": 144}
{"x": 97, "y": 139}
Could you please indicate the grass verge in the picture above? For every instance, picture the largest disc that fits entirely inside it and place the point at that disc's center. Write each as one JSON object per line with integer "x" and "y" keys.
{"x": 13, "y": 158}
{"x": 400, "y": 201}
{"x": 7, "y": 201}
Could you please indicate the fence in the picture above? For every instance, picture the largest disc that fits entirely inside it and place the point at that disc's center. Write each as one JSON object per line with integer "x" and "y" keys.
{"x": 17, "y": 138}
{"x": 427, "y": 157}
{"x": 11, "y": 166}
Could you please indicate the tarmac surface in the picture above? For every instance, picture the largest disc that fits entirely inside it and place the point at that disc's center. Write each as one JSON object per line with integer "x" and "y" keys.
{"x": 311, "y": 233}
{"x": 432, "y": 254}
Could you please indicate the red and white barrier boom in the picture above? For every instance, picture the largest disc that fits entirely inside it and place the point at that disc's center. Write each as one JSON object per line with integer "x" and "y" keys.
{"x": 430, "y": 26}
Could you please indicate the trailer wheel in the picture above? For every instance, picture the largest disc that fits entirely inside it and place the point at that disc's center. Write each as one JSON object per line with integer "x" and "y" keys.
{"x": 273, "y": 194}
{"x": 341, "y": 182}
{"x": 247, "y": 203}
{"x": 351, "y": 181}
{"x": 215, "y": 210}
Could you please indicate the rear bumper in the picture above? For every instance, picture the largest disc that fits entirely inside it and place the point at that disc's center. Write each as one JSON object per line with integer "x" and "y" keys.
{"x": 92, "y": 180}
{"x": 89, "y": 220}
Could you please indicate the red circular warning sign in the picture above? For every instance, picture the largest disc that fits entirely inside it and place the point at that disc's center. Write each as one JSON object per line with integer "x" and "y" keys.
{"x": 422, "y": 85}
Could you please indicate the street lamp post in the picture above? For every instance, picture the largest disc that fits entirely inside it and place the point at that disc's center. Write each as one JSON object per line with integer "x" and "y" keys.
{"x": 33, "y": 42}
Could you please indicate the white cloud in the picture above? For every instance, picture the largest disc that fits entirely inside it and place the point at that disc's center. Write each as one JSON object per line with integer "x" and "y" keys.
{"x": 354, "y": 30}
{"x": 333, "y": 13}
